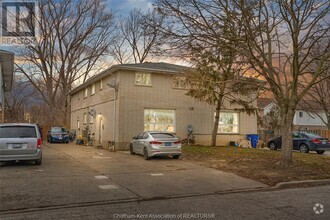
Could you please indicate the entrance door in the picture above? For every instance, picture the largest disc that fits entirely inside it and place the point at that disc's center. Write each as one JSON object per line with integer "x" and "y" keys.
{"x": 101, "y": 130}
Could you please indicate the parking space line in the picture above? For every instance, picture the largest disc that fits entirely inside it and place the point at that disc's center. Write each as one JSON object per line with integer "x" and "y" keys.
{"x": 101, "y": 177}
{"x": 157, "y": 174}
{"x": 108, "y": 187}
{"x": 99, "y": 157}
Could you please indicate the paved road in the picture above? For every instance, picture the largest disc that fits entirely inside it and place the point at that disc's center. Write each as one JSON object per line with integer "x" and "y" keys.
{"x": 296, "y": 204}
{"x": 85, "y": 182}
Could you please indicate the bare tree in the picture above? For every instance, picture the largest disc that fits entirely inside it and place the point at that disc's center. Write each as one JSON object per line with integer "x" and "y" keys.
{"x": 279, "y": 37}
{"x": 195, "y": 31}
{"x": 18, "y": 99}
{"x": 318, "y": 99}
{"x": 138, "y": 38}
{"x": 72, "y": 37}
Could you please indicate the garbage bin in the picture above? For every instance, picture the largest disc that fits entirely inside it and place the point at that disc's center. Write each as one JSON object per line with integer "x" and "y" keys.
{"x": 253, "y": 138}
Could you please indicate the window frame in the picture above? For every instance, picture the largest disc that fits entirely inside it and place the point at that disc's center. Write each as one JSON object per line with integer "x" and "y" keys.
{"x": 85, "y": 118}
{"x": 93, "y": 89}
{"x": 86, "y": 92}
{"x": 153, "y": 124}
{"x": 101, "y": 84}
{"x": 142, "y": 84}
{"x": 176, "y": 79}
{"x": 233, "y": 125}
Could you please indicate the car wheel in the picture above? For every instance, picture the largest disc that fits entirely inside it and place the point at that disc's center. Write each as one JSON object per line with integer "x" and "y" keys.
{"x": 176, "y": 156}
{"x": 131, "y": 149}
{"x": 320, "y": 151}
{"x": 272, "y": 146}
{"x": 38, "y": 162}
{"x": 304, "y": 148}
{"x": 145, "y": 154}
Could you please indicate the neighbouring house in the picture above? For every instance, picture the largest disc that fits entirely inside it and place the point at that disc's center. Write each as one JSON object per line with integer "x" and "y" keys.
{"x": 308, "y": 115}
{"x": 6, "y": 78}
{"x": 127, "y": 99}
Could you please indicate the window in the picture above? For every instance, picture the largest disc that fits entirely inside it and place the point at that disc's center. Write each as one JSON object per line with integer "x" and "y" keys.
{"x": 78, "y": 95}
{"x": 93, "y": 89}
{"x": 101, "y": 84}
{"x": 18, "y": 132}
{"x": 85, "y": 118}
{"x": 78, "y": 125}
{"x": 143, "y": 79}
{"x": 301, "y": 114}
{"x": 91, "y": 119}
{"x": 228, "y": 122}
{"x": 159, "y": 120}
{"x": 180, "y": 82}
{"x": 86, "y": 93}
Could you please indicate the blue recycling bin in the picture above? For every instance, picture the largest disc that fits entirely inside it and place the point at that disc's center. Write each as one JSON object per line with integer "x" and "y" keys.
{"x": 253, "y": 138}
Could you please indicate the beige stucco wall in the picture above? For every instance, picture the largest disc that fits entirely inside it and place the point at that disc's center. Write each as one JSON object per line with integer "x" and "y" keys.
{"x": 161, "y": 95}
{"x": 103, "y": 103}
{"x": 133, "y": 99}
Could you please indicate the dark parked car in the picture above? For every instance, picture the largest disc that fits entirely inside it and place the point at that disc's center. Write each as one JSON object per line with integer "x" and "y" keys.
{"x": 304, "y": 142}
{"x": 58, "y": 134}
{"x": 20, "y": 142}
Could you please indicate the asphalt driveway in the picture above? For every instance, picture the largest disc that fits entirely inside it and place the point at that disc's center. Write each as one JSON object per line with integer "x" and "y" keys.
{"x": 75, "y": 175}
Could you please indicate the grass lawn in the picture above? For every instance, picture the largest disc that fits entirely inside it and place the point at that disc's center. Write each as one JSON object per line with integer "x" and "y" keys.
{"x": 260, "y": 164}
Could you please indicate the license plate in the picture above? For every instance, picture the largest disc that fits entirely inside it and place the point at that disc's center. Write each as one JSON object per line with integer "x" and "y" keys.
{"x": 324, "y": 142}
{"x": 15, "y": 146}
{"x": 168, "y": 144}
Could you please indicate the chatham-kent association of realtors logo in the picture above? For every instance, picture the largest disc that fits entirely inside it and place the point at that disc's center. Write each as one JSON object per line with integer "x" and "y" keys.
{"x": 17, "y": 21}
{"x": 318, "y": 208}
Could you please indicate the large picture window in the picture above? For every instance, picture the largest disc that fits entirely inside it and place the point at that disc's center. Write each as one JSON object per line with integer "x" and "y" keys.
{"x": 159, "y": 120}
{"x": 228, "y": 122}
{"x": 143, "y": 79}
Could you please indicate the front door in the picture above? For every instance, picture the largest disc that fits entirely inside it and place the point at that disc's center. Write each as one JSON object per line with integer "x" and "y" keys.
{"x": 101, "y": 130}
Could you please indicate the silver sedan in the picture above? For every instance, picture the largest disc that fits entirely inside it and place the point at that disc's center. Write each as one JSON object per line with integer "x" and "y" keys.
{"x": 155, "y": 143}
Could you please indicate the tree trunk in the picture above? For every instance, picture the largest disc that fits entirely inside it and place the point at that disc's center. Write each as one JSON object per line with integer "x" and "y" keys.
{"x": 216, "y": 122}
{"x": 286, "y": 133}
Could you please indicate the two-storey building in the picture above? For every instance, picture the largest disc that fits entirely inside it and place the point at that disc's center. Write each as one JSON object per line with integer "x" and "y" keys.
{"x": 127, "y": 99}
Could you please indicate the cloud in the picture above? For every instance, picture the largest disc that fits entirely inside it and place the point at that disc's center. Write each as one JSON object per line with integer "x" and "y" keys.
{"x": 123, "y": 7}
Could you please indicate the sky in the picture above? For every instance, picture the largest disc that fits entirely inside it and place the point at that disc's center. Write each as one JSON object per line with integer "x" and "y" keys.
{"x": 122, "y": 7}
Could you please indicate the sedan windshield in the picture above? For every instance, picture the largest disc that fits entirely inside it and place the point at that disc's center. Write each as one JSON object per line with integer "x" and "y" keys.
{"x": 57, "y": 129}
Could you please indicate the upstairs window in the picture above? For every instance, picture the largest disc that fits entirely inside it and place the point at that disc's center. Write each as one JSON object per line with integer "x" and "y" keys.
{"x": 180, "y": 82}
{"x": 301, "y": 114}
{"x": 143, "y": 79}
{"x": 93, "y": 89}
{"x": 86, "y": 93}
{"x": 101, "y": 84}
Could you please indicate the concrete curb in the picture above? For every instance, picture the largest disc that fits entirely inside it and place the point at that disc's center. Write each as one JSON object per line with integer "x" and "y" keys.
{"x": 306, "y": 183}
